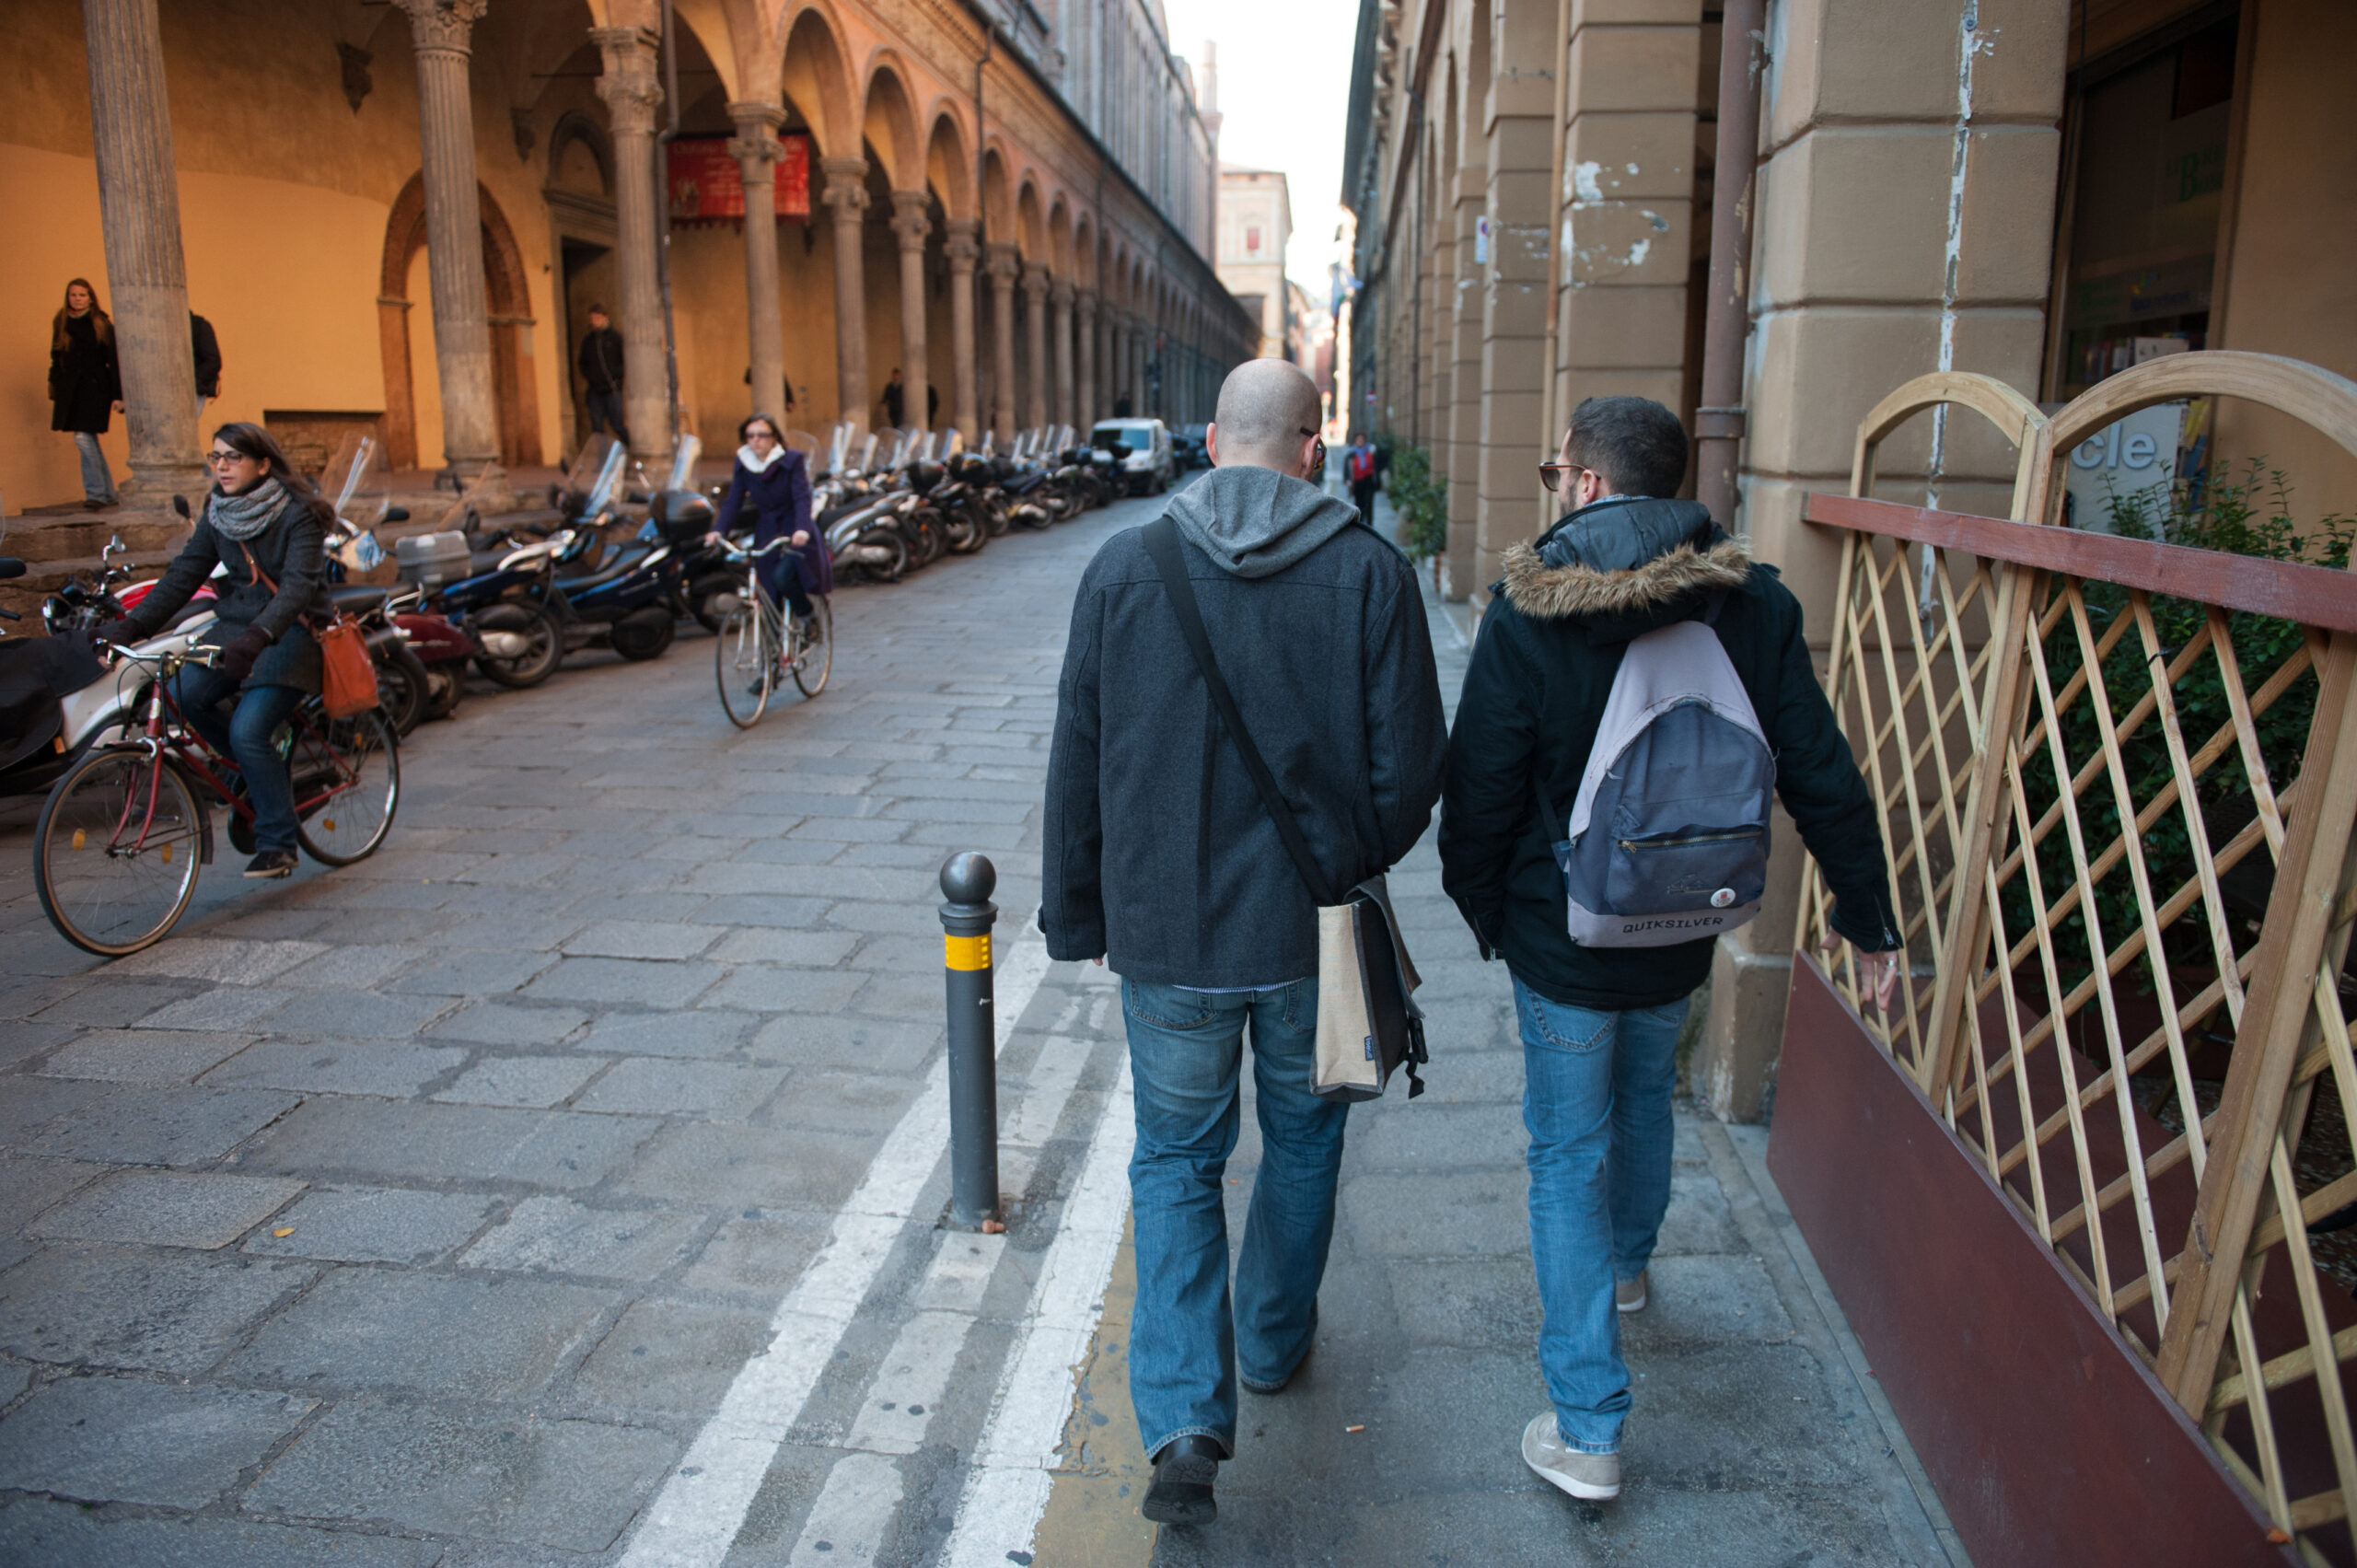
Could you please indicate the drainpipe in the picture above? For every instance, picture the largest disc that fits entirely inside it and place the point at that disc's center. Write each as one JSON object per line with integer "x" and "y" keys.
{"x": 1551, "y": 435}
{"x": 663, "y": 196}
{"x": 1719, "y": 422}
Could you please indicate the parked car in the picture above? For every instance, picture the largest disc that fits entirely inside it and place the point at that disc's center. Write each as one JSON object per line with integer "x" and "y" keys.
{"x": 1142, "y": 446}
{"x": 1187, "y": 445}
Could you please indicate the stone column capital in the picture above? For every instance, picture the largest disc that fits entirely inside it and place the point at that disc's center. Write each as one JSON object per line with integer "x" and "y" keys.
{"x": 444, "y": 27}
{"x": 1004, "y": 264}
{"x": 1035, "y": 279}
{"x": 1061, "y": 291}
{"x": 911, "y": 217}
{"x": 846, "y": 194}
{"x": 628, "y": 82}
{"x": 755, "y": 144}
{"x": 963, "y": 246}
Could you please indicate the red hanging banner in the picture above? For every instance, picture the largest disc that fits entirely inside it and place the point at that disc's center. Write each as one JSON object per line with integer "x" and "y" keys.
{"x": 707, "y": 187}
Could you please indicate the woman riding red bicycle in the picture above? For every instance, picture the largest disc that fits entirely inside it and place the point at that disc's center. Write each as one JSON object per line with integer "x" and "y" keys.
{"x": 267, "y": 525}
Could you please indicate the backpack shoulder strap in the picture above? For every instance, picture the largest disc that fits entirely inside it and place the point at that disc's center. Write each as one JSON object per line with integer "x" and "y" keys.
{"x": 1161, "y": 540}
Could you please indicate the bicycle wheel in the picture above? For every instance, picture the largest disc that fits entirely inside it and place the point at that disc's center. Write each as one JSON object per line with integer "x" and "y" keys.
{"x": 347, "y": 779}
{"x": 813, "y": 658}
{"x": 116, "y": 850}
{"x": 747, "y": 673}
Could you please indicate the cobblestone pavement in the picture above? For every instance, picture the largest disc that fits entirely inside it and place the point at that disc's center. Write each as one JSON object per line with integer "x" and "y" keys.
{"x": 561, "y": 1186}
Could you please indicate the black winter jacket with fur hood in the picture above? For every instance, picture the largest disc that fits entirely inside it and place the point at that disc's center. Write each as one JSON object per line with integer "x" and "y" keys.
{"x": 1534, "y": 696}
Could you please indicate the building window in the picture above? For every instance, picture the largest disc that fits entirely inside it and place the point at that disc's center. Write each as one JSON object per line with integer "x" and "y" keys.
{"x": 1252, "y": 237}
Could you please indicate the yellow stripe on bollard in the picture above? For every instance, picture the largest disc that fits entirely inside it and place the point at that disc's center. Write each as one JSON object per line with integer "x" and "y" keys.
{"x": 966, "y": 952}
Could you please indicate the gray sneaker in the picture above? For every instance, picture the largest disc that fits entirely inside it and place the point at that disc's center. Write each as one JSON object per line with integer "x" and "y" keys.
{"x": 1593, "y": 1477}
{"x": 1631, "y": 1295}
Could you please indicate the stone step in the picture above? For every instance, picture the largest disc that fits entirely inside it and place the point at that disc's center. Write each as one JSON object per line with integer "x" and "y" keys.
{"x": 146, "y": 531}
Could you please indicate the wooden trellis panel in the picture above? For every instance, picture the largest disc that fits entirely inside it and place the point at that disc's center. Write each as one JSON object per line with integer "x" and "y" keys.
{"x": 2086, "y": 792}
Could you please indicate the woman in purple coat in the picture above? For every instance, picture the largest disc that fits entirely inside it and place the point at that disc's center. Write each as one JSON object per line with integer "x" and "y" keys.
{"x": 775, "y": 480}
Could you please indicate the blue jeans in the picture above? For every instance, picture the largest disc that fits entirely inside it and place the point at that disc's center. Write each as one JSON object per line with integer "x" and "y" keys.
{"x": 97, "y": 479}
{"x": 1595, "y": 1099}
{"x": 1186, "y": 1344}
{"x": 245, "y": 734}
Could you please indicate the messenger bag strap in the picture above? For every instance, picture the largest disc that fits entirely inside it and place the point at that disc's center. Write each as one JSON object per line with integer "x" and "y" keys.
{"x": 1161, "y": 540}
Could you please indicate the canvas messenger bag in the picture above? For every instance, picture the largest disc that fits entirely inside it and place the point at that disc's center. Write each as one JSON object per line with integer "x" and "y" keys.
{"x": 1368, "y": 1023}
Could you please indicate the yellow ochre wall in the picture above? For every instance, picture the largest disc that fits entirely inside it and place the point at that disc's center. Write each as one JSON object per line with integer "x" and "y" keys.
{"x": 284, "y": 192}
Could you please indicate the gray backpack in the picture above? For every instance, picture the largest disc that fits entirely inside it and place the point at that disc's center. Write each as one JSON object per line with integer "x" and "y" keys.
{"x": 1668, "y": 839}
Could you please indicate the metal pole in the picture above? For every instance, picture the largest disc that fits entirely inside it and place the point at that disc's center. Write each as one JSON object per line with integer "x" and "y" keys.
{"x": 1718, "y": 422}
{"x": 967, "y": 881}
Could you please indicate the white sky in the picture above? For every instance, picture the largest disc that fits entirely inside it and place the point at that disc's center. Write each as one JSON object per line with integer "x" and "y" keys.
{"x": 1285, "y": 87}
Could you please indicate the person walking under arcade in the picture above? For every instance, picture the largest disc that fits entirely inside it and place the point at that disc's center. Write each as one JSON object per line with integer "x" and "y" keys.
{"x": 1162, "y": 861}
{"x": 775, "y": 480}
{"x": 85, "y": 385}
{"x": 264, "y": 523}
{"x": 600, "y": 363}
{"x": 1599, "y": 1024}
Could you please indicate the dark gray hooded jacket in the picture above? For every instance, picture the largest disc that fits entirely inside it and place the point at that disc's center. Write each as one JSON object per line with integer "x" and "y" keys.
{"x": 1159, "y": 854}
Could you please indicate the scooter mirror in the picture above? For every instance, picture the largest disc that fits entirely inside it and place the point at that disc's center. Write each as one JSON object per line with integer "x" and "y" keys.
{"x": 180, "y": 505}
{"x": 397, "y": 514}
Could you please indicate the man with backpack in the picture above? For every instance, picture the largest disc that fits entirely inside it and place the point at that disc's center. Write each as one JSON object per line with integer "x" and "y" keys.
{"x": 1163, "y": 860}
{"x": 1359, "y": 470}
{"x": 1639, "y": 687}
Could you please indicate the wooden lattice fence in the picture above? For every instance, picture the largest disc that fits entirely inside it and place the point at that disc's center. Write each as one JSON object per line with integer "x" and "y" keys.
{"x": 2119, "y": 779}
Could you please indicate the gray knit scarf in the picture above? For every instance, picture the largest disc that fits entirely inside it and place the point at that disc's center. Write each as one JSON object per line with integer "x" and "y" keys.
{"x": 242, "y": 516}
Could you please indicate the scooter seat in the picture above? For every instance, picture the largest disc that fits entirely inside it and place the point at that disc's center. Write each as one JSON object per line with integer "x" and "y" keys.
{"x": 624, "y": 563}
{"x": 355, "y": 599}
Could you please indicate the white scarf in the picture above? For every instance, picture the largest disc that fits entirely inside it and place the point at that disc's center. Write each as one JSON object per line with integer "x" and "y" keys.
{"x": 759, "y": 464}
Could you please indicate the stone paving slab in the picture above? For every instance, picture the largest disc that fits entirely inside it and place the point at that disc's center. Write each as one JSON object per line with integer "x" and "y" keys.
{"x": 118, "y": 1439}
{"x": 168, "y": 1210}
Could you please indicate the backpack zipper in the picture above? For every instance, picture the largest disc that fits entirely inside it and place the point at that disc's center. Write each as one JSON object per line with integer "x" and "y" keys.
{"x": 1680, "y": 843}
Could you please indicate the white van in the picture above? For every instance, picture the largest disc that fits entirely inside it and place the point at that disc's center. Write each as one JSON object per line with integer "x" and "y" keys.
{"x": 1142, "y": 447}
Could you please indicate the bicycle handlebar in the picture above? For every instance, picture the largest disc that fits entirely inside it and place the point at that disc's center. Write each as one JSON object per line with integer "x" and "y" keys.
{"x": 738, "y": 553}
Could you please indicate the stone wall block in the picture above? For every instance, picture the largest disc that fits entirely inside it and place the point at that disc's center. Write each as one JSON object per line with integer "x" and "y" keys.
{"x": 1634, "y": 68}
{"x": 1663, "y": 386}
{"x": 1656, "y": 13}
{"x": 2007, "y": 250}
{"x": 1815, "y": 374}
{"x": 1854, "y": 60}
{"x": 1630, "y": 244}
{"x": 2019, "y": 73}
{"x": 1636, "y": 329}
{"x": 1514, "y": 310}
{"x": 1519, "y": 148}
{"x": 1528, "y": 95}
{"x": 1630, "y": 156}
{"x": 1809, "y": 556}
{"x": 1855, "y": 213}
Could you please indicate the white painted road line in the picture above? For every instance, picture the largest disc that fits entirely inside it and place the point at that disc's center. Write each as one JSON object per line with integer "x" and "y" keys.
{"x": 694, "y": 1519}
{"x": 1006, "y": 1491}
{"x": 854, "y": 1511}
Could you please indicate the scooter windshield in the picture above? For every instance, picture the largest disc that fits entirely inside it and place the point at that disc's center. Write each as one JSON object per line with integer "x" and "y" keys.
{"x": 359, "y": 484}
{"x": 683, "y": 463}
{"x": 607, "y": 478}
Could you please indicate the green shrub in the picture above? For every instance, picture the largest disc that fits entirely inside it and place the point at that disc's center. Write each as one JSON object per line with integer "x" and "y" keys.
{"x": 2251, "y": 517}
{"x": 1421, "y": 501}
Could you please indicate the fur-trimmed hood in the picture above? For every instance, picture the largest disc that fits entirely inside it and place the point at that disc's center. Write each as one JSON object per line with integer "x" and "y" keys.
{"x": 1627, "y": 556}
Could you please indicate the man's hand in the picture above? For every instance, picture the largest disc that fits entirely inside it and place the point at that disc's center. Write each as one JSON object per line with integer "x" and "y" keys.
{"x": 1877, "y": 972}
{"x": 801, "y": 537}
{"x": 715, "y": 538}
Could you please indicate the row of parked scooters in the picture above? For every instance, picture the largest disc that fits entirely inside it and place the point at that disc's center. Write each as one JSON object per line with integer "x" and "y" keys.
{"x": 611, "y": 561}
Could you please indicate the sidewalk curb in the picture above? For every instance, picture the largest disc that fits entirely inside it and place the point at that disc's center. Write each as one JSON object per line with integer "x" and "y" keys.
{"x": 1920, "y": 1525}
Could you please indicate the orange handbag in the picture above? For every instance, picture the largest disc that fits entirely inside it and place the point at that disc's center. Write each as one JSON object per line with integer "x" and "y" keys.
{"x": 347, "y": 675}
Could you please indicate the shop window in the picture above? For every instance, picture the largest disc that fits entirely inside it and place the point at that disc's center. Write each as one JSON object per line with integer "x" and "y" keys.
{"x": 2140, "y": 239}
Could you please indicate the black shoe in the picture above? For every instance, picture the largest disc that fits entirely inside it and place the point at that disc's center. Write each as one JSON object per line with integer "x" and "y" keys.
{"x": 271, "y": 863}
{"x": 241, "y": 831}
{"x": 1183, "y": 1474}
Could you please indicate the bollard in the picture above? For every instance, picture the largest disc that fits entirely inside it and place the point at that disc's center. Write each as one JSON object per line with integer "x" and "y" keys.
{"x": 967, "y": 881}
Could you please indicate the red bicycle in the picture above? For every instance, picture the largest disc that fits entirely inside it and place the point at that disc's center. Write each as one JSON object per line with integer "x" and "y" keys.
{"x": 124, "y": 831}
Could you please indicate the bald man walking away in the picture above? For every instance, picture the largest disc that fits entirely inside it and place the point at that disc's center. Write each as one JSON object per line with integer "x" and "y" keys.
{"x": 1163, "y": 862}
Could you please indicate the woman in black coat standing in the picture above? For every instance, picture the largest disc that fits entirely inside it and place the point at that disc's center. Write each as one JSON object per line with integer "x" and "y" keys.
{"x": 775, "y": 480}
{"x": 85, "y": 384}
{"x": 265, "y": 522}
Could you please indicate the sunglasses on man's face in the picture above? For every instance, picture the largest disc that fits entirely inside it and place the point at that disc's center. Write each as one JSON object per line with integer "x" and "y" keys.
{"x": 1551, "y": 475}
